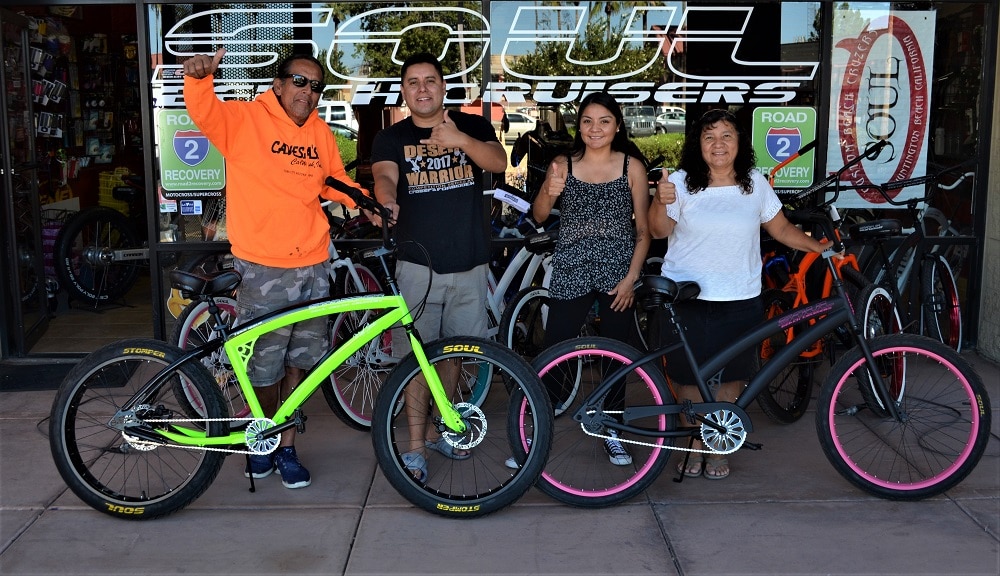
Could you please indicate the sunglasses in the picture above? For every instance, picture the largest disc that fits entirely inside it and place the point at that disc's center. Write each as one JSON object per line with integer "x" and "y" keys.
{"x": 299, "y": 81}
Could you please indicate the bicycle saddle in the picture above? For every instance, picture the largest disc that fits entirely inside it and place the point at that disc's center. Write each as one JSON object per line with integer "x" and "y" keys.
{"x": 191, "y": 285}
{"x": 875, "y": 229}
{"x": 653, "y": 291}
{"x": 541, "y": 242}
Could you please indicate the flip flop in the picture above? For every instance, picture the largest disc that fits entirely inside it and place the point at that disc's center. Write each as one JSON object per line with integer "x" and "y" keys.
{"x": 712, "y": 466}
{"x": 694, "y": 467}
{"x": 416, "y": 464}
{"x": 446, "y": 449}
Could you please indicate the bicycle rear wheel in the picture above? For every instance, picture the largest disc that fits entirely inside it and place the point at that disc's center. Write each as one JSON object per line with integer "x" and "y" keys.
{"x": 579, "y": 470}
{"x": 515, "y": 411}
{"x": 940, "y": 309}
{"x": 82, "y": 255}
{"x": 786, "y": 398}
{"x": 108, "y": 469}
{"x": 195, "y": 327}
{"x": 944, "y": 420}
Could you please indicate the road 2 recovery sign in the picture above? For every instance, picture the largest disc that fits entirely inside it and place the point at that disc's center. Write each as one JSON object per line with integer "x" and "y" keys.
{"x": 190, "y": 163}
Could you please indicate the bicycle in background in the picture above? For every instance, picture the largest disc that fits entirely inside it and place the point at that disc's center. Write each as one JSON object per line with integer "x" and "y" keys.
{"x": 917, "y": 275}
{"x": 792, "y": 281}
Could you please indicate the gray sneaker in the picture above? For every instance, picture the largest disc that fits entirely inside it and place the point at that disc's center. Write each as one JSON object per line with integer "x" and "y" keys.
{"x": 511, "y": 463}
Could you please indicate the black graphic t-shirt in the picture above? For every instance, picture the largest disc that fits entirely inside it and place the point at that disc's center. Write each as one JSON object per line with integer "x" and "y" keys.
{"x": 440, "y": 195}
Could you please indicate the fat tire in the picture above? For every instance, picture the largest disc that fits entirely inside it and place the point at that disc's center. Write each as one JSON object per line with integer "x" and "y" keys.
{"x": 943, "y": 433}
{"x": 516, "y": 410}
{"x": 578, "y": 471}
{"x": 94, "y": 459}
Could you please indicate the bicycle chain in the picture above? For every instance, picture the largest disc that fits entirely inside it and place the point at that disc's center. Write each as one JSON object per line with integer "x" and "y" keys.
{"x": 144, "y": 445}
{"x": 674, "y": 448}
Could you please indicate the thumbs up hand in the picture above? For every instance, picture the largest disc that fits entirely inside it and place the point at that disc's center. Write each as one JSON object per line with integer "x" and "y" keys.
{"x": 201, "y": 65}
{"x": 555, "y": 180}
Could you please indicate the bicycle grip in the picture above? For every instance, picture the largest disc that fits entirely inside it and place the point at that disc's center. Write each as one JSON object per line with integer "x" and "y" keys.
{"x": 359, "y": 197}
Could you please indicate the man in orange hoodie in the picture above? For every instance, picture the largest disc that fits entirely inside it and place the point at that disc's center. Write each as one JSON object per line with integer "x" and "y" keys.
{"x": 278, "y": 154}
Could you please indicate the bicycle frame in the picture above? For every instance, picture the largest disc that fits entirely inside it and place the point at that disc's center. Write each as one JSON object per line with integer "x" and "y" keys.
{"x": 239, "y": 347}
{"x": 824, "y": 316}
{"x": 797, "y": 283}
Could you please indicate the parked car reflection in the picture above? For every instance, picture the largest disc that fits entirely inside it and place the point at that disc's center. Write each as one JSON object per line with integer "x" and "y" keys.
{"x": 670, "y": 122}
{"x": 519, "y": 124}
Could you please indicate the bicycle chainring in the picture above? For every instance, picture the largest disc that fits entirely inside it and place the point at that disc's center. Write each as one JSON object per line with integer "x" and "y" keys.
{"x": 255, "y": 443}
{"x": 729, "y": 441}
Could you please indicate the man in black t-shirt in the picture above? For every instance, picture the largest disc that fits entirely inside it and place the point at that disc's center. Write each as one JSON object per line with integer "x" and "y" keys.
{"x": 428, "y": 172}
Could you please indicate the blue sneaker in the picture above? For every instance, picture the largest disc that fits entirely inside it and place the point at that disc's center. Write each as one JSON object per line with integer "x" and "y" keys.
{"x": 293, "y": 474}
{"x": 261, "y": 466}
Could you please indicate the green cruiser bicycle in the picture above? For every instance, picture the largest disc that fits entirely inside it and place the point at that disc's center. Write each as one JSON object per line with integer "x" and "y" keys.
{"x": 128, "y": 441}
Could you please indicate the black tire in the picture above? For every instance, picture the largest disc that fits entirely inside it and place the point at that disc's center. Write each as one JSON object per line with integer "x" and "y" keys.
{"x": 522, "y": 325}
{"x": 787, "y": 397}
{"x": 194, "y": 328}
{"x": 78, "y": 256}
{"x": 943, "y": 430}
{"x": 578, "y": 471}
{"x": 124, "y": 477}
{"x": 515, "y": 414}
{"x": 940, "y": 307}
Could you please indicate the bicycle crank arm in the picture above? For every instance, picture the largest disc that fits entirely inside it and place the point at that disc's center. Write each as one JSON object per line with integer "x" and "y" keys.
{"x": 299, "y": 423}
{"x": 96, "y": 255}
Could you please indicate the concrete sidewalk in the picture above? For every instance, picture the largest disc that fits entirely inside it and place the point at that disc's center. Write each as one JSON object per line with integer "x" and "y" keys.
{"x": 784, "y": 510}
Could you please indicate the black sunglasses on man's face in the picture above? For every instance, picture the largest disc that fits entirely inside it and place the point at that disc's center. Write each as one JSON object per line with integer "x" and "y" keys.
{"x": 299, "y": 81}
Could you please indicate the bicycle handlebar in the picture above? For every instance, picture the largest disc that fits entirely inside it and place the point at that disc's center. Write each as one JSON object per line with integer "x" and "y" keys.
{"x": 365, "y": 202}
{"x": 833, "y": 181}
{"x": 921, "y": 180}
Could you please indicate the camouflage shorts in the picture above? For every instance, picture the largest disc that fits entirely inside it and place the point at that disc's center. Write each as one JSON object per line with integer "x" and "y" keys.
{"x": 265, "y": 289}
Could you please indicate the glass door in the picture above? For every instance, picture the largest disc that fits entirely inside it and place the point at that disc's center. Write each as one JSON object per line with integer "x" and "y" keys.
{"x": 24, "y": 311}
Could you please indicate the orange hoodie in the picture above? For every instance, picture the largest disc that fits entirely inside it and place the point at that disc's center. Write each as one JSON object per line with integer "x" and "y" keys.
{"x": 275, "y": 173}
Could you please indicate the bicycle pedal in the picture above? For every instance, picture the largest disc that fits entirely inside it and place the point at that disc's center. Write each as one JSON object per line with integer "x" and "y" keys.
{"x": 300, "y": 422}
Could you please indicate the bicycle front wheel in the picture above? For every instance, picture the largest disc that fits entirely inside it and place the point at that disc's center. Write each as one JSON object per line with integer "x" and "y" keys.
{"x": 943, "y": 427}
{"x": 584, "y": 467}
{"x": 516, "y": 412}
{"x": 114, "y": 472}
{"x": 940, "y": 309}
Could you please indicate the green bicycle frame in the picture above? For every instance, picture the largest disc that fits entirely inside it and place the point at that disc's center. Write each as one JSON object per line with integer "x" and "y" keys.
{"x": 240, "y": 345}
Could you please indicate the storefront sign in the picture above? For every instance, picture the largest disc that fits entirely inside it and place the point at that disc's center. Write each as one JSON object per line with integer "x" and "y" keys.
{"x": 882, "y": 70}
{"x": 189, "y": 165}
{"x": 778, "y": 133}
{"x": 740, "y": 81}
